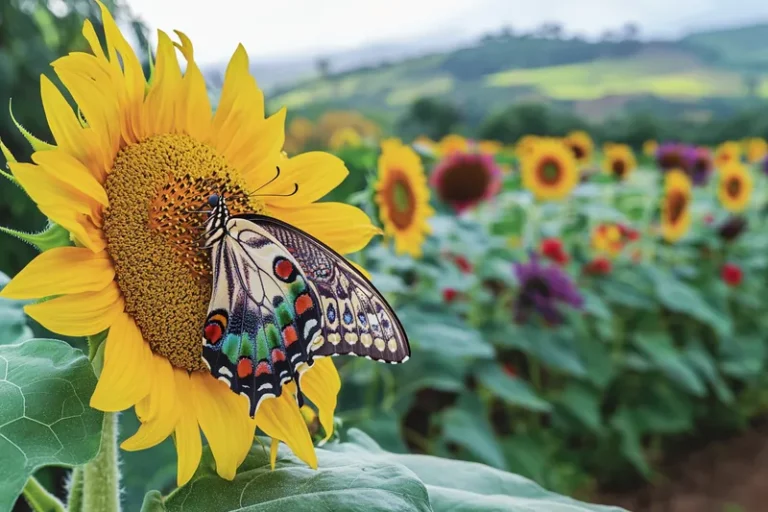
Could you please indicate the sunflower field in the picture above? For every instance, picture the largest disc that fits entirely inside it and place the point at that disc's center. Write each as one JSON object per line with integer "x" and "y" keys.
{"x": 560, "y": 313}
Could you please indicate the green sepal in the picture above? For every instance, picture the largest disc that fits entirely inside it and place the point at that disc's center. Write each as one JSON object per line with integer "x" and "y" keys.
{"x": 9, "y": 159}
{"x": 37, "y": 144}
{"x": 51, "y": 237}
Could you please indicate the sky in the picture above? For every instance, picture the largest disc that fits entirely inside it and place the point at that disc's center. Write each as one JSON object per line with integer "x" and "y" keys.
{"x": 276, "y": 29}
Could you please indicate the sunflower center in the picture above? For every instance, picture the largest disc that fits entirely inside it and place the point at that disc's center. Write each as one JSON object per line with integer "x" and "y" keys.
{"x": 733, "y": 187}
{"x": 157, "y": 194}
{"x": 671, "y": 160}
{"x": 465, "y": 182}
{"x": 619, "y": 167}
{"x": 549, "y": 172}
{"x": 676, "y": 203}
{"x": 402, "y": 203}
{"x": 578, "y": 151}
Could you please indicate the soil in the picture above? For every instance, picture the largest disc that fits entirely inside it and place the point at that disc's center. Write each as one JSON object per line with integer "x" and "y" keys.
{"x": 729, "y": 475}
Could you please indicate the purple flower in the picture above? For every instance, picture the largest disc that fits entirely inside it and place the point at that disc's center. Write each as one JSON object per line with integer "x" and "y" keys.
{"x": 671, "y": 155}
{"x": 698, "y": 164}
{"x": 542, "y": 289}
{"x": 765, "y": 165}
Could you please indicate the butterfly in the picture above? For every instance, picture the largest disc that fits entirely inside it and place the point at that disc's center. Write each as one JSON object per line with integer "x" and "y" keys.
{"x": 280, "y": 299}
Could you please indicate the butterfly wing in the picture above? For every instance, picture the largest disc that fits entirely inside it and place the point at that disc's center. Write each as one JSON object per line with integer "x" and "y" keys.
{"x": 356, "y": 319}
{"x": 262, "y": 313}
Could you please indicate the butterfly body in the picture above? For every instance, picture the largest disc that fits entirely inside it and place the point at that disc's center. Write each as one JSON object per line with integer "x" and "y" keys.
{"x": 281, "y": 299}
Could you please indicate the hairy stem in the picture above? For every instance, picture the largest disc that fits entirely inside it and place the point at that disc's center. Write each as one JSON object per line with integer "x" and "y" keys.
{"x": 39, "y": 499}
{"x": 75, "y": 485}
{"x": 101, "y": 484}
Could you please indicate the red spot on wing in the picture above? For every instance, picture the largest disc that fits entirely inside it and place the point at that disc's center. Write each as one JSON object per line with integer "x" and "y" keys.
{"x": 244, "y": 368}
{"x": 303, "y": 303}
{"x": 213, "y": 333}
{"x": 289, "y": 336}
{"x": 283, "y": 269}
{"x": 278, "y": 355}
{"x": 262, "y": 368}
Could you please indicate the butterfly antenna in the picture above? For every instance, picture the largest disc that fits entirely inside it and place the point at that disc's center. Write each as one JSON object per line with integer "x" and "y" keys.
{"x": 277, "y": 175}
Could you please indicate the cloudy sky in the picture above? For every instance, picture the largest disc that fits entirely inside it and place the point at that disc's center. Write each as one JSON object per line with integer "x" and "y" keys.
{"x": 283, "y": 28}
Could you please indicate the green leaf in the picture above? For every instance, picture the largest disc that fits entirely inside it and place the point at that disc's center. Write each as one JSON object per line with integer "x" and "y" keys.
{"x": 13, "y": 321}
{"x": 699, "y": 359}
{"x": 512, "y": 390}
{"x": 439, "y": 333}
{"x": 631, "y": 448}
{"x": 467, "y": 425}
{"x": 658, "y": 348}
{"x": 583, "y": 403}
{"x": 51, "y": 237}
{"x": 45, "y": 386}
{"x": 459, "y": 486}
{"x": 342, "y": 483}
{"x": 742, "y": 357}
{"x": 555, "y": 349}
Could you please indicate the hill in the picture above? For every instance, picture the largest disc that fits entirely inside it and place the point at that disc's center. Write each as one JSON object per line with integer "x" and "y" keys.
{"x": 717, "y": 64}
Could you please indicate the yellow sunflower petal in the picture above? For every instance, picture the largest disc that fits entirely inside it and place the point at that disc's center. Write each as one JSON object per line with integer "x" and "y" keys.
{"x": 343, "y": 227}
{"x": 160, "y": 104}
{"x": 264, "y": 157}
{"x": 281, "y": 419}
{"x": 81, "y": 314}
{"x": 316, "y": 174}
{"x": 273, "y": 452}
{"x": 93, "y": 40}
{"x": 189, "y": 446}
{"x": 80, "y": 226}
{"x": 321, "y": 384}
{"x": 71, "y": 171}
{"x": 125, "y": 378}
{"x": 159, "y": 411}
{"x": 69, "y": 135}
{"x": 360, "y": 269}
{"x": 61, "y": 271}
{"x": 223, "y": 416}
{"x": 194, "y": 112}
{"x": 241, "y": 100}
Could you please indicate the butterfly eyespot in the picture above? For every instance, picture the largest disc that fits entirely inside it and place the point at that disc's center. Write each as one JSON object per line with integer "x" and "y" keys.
{"x": 331, "y": 313}
{"x": 284, "y": 269}
{"x": 289, "y": 336}
{"x": 213, "y": 200}
{"x": 213, "y": 332}
{"x": 262, "y": 368}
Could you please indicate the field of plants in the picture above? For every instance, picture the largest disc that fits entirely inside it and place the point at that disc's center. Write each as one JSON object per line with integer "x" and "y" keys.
{"x": 576, "y": 315}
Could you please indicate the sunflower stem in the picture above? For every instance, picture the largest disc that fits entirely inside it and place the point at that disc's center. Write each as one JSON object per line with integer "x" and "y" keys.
{"x": 101, "y": 484}
{"x": 75, "y": 486}
{"x": 39, "y": 499}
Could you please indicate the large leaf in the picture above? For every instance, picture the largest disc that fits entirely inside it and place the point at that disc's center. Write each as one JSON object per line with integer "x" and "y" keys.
{"x": 45, "y": 386}
{"x": 467, "y": 425}
{"x": 342, "y": 483}
{"x": 13, "y": 322}
{"x": 440, "y": 333}
{"x": 458, "y": 486}
{"x": 658, "y": 348}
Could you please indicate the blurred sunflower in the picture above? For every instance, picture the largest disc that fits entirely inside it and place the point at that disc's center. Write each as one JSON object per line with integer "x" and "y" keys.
{"x": 581, "y": 145}
{"x": 607, "y": 239}
{"x": 403, "y": 197}
{"x": 735, "y": 187}
{"x": 675, "y": 208}
{"x": 543, "y": 290}
{"x": 550, "y": 170}
{"x": 463, "y": 180}
{"x": 490, "y": 147}
{"x": 619, "y": 161}
{"x": 671, "y": 155}
{"x": 453, "y": 143}
{"x": 698, "y": 164}
{"x": 756, "y": 149}
{"x": 726, "y": 153}
{"x": 525, "y": 145}
{"x": 650, "y": 147}
{"x": 126, "y": 185}
{"x": 345, "y": 137}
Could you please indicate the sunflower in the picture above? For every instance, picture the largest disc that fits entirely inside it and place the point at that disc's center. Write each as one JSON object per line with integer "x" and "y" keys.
{"x": 126, "y": 185}
{"x": 550, "y": 170}
{"x": 619, "y": 161}
{"x": 735, "y": 187}
{"x": 453, "y": 143}
{"x": 524, "y": 146}
{"x": 675, "y": 208}
{"x": 403, "y": 197}
{"x": 490, "y": 147}
{"x": 756, "y": 149}
{"x": 344, "y": 137}
{"x": 581, "y": 145}
{"x": 650, "y": 147}
{"x": 726, "y": 153}
{"x": 465, "y": 179}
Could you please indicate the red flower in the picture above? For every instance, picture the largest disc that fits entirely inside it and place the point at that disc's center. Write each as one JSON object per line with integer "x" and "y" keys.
{"x": 510, "y": 369}
{"x": 629, "y": 233}
{"x": 599, "y": 266}
{"x": 463, "y": 264}
{"x": 449, "y": 295}
{"x": 731, "y": 274}
{"x": 552, "y": 248}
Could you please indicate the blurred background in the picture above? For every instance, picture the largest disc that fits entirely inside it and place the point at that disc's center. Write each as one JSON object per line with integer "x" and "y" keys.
{"x": 350, "y": 72}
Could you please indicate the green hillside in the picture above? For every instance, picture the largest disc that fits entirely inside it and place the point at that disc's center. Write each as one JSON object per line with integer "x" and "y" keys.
{"x": 724, "y": 64}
